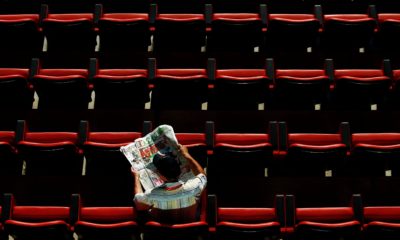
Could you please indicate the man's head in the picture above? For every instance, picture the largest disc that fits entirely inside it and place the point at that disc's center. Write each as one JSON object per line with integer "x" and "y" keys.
{"x": 167, "y": 165}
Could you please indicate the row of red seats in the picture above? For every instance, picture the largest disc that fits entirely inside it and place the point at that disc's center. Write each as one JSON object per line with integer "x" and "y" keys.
{"x": 281, "y": 152}
{"x": 88, "y": 222}
{"x": 240, "y": 31}
{"x": 283, "y": 220}
{"x": 274, "y": 152}
{"x": 190, "y": 88}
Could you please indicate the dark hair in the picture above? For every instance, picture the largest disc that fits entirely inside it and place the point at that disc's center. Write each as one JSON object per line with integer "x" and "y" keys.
{"x": 167, "y": 165}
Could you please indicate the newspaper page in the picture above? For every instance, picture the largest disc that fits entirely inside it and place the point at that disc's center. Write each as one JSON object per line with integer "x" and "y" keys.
{"x": 140, "y": 154}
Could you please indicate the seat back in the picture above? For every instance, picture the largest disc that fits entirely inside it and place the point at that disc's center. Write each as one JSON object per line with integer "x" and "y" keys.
{"x": 375, "y": 153}
{"x": 51, "y": 153}
{"x": 121, "y": 88}
{"x": 124, "y": 32}
{"x": 241, "y": 89}
{"x": 10, "y": 164}
{"x": 56, "y": 87}
{"x": 15, "y": 91}
{"x": 179, "y": 32}
{"x": 103, "y": 155}
{"x": 179, "y": 89}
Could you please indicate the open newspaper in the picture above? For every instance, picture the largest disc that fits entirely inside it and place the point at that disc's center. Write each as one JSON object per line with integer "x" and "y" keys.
{"x": 140, "y": 154}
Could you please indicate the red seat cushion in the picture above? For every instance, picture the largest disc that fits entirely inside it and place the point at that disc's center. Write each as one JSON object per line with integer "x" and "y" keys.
{"x": 13, "y": 18}
{"x": 180, "y": 17}
{"x": 69, "y": 17}
{"x": 125, "y": 17}
{"x": 181, "y": 74}
{"x": 236, "y": 17}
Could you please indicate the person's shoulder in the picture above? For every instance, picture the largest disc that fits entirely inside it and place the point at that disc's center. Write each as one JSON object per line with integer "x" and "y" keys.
{"x": 198, "y": 181}
{"x": 201, "y": 176}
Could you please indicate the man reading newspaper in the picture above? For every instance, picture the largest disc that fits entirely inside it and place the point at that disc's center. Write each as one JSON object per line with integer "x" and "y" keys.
{"x": 172, "y": 179}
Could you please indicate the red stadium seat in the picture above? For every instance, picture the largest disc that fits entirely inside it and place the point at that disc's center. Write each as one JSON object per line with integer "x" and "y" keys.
{"x": 103, "y": 155}
{"x": 70, "y": 32}
{"x": 105, "y": 222}
{"x": 62, "y": 88}
{"x": 389, "y": 33}
{"x": 20, "y": 34}
{"x": 381, "y": 222}
{"x": 45, "y": 152}
{"x": 179, "y": 89}
{"x": 296, "y": 89}
{"x": 9, "y": 163}
{"x": 247, "y": 154}
{"x": 179, "y": 32}
{"x": 313, "y": 154}
{"x": 346, "y": 33}
{"x": 15, "y": 90}
{"x": 45, "y": 222}
{"x": 375, "y": 153}
{"x": 236, "y": 32}
{"x": 124, "y": 32}
{"x": 248, "y": 223}
{"x": 121, "y": 88}
{"x": 293, "y": 32}
{"x": 325, "y": 222}
{"x": 242, "y": 89}
{"x": 361, "y": 88}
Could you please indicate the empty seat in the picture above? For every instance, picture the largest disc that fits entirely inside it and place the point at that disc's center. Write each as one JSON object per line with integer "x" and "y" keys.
{"x": 375, "y": 153}
{"x": 50, "y": 153}
{"x": 389, "y": 33}
{"x": 301, "y": 89}
{"x": 362, "y": 89}
{"x": 292, "y": 32}
{"x": 313, "y": 154}
{"x": 124, "y": 32}
{"x": 15, "y": 90}
{"x": 326, "y": 223}
{"x": 121, "y": 88}
{"x": 179, "y": 89}
{"x": 62, "y": 88}
{"x": 345, "y": 33}
{"x": 9, "y": 163}
{"x": 20, "y": 34}
{"x": 70, "y": 33}
{"x": 243, "y": 89}
{"x": 236, "y": 32}
{"x": 249, "y": 155}
{"x": 39, "y": 222}
{"x": 105, "y": 222}
{"x": 248, "y": 223}
{"x": 381, "y": 222}
{"x": 184, "y": 32}
{"x": 103, "y": 155}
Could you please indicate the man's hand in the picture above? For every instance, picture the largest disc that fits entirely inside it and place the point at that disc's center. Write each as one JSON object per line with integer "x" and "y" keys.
{"x": 137, "y": 187}
{"x": 183, "y": 150}
{"x": 194, "y": 165}
{"x": 135, "y": 173}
